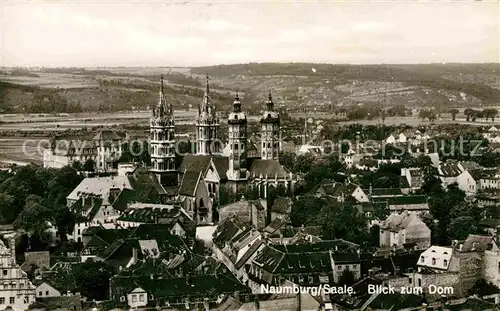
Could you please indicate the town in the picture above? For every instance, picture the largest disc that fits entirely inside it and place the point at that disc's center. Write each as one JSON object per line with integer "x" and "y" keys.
{"x": 389, "y": 215}
{"x": 249, "y": 155}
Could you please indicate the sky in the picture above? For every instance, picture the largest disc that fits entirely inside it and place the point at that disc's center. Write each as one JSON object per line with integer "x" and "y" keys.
{"x": 197, "y": 33}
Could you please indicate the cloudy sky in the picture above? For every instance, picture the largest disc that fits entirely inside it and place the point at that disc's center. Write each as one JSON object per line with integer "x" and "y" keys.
{"x": 192, "y": 33}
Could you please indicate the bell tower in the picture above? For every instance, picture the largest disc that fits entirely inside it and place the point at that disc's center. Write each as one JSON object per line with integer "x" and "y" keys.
{"x": 237, "y": 140}
{"x": 270, "y": 132}
{"x": 162, "y": 141}
{"x": 207, "y": 126}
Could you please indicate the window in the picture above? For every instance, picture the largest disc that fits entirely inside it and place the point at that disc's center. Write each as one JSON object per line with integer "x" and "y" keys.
{"x": 134, "y": 298}
{"x": 2, "y": 301}
{"x": 40, "y": 293}
{"x": 141, "y": 297}
{"x": 26, "y": 299}
{"x": 419, "y": 282}
{"x": 4, "y": 272}
{"x": 12, "y": 300}
{"x": 151, "y": 297}
{"x": 122, "y": 299}
{"x": 46, "y": 293}
{"x": 339, "y": 267}
{"x": 445, "y": 262}
{"x": 409, "y": 280}
{"x": 433, "y": 261}
{"x": 310, "y": 279}
{"x": 422, "y": 259}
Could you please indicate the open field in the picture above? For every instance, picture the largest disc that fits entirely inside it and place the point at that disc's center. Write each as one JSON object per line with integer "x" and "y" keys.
{"x": 52, "y": 80}
{"x": 22, "y": 150}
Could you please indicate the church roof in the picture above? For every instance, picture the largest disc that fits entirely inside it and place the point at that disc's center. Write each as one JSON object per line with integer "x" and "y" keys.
{"x": 189, "y": 183}
{"x": 271, "y": 168}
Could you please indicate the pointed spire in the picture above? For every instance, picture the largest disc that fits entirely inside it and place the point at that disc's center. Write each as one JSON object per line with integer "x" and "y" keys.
{"x": 270, "y": 103}
{"x": 207, "y": 88}
{"x": 161, "y": 84}
{"x": 236, "y": 103}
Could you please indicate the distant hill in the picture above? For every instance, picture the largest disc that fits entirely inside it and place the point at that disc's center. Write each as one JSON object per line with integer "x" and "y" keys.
{"x": 426, "y": 75}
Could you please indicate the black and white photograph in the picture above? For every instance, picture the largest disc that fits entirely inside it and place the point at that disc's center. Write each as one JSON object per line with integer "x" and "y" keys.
{"x": 249, "y": 155}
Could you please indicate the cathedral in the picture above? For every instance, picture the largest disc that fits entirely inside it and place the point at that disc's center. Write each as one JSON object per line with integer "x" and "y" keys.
{"x": 196, "y": 179}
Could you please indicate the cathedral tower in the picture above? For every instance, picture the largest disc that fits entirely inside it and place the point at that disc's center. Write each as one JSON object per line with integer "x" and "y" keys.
{"x": 270, "y": 132}
{"x": 162, "y": 141}
{"x": 237, "y": 141}
{"x": 207, "y": 127}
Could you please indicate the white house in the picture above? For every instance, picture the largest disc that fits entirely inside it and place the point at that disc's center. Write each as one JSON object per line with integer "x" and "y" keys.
{"x": 404, "y": 228}
{"x": 437, "y": 258}
{"x": 137, "y": 298}
{"x": 17, "y": 292}
{"x": 45, "y": 290}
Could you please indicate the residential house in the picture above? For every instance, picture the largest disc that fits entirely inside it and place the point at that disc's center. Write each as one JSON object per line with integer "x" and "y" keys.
{"x": 414, "y": 177}
{"x": 105, "y": 148}
{"x": 489, "y": 179}
{"x": 97, "y": 239}
{"x": 92, "y": 201}
{"x": 17, "y": 291}
{"x": 340, "y": 191}
{"x": 403, "y": 228}
{"x": 452, "y": 172}
{"x": 410, "y": 203}
{"x": 200, "y": 291}
{"x": 236, "y": 243}
{"x": 253, "y": 212}
{"x": 46, "y": 290}
{"x": 306, "y": 264}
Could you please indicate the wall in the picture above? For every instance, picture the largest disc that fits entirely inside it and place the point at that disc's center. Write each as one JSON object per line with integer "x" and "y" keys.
{"x": 471, "y": 268}
{"x": 491, "y": 267}
{"x": 418, "y": 232}
{"x": 45, "y": 290}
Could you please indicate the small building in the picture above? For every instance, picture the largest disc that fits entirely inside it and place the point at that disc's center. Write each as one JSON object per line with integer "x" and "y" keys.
{"x": 403, "y": 228}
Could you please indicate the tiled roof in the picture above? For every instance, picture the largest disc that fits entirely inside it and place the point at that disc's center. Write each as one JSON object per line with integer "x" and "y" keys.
{"x": 396, "y": 222}
{"x": 146, "y": 186}
{"x": 404, "y": 200}
{"x": 107, "y": 135}
{"x": 281, "y": 205}
{"x": 195, "y": 163}
{"x": 228, "y": 230}
{"x": 477, "y": 243}
{"x": 384, "y": 191}
{"x": 270, "y": 168}
{"x": 221, "y": 165}
{"x": 189, "y": 183}
{"x": 125, "y": 197}
{"x": 99, "y": 186}
{"x": 204, "y": 285}
{"x": 450, "y": 169}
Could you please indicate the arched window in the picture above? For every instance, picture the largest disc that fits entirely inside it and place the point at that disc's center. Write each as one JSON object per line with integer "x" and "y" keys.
{"x": 202, "y": 205}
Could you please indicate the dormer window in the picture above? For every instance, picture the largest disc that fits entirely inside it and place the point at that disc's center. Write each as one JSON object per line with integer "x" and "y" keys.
{"x": 445, "y": 262}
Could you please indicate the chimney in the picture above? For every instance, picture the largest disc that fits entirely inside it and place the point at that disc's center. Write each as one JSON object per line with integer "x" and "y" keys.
{"x": 12, "y": 246}
{"x": 134, "y": 255}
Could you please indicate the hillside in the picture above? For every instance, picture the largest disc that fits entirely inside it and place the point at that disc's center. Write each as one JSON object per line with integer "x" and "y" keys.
{"x": 452, "y": 78}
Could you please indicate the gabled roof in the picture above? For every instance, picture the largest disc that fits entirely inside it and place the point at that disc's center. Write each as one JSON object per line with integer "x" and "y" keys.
{"x": 450, "y": 169}
{"x": 228, "y": 230}
{"x": 107, "y": 135}
{"x": 189, "y": 183}
{"x": 195, "y": 163}
{"x": 396, "y": 222}
{"x": 125, "y": 197}
{"x": 99, "y": 186}
{"x": 269, "y": 168}
{"x": 221, "y": 165}
{"x": 146, "y": 185}
{"x": 477, "y": 243}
